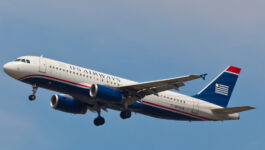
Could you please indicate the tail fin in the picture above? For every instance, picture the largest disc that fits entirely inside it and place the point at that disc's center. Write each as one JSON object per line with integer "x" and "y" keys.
{"x": 220, "y": 89}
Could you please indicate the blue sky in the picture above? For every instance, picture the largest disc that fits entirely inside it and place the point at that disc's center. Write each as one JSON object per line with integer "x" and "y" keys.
{"x": 141, "y": 40}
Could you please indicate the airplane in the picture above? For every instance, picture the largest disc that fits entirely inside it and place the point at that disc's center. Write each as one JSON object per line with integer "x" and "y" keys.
{"x": 85, "y": 89}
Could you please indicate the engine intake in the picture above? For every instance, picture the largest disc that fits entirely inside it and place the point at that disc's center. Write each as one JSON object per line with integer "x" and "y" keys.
{"x": 67, "y": 104}
{"x": 106, "y": 93}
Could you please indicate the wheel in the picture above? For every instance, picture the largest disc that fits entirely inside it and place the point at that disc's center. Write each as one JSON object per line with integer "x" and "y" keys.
{"x": 99, "y": 121}
{"x": 126, "y": 114}
{"x": 32, "y": 97}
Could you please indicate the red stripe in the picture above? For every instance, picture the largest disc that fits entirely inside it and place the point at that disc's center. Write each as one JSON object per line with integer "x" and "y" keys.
{"x": 200, "y": 117}
{"x": 233, "y": 69}
{"x": 29, "y": 76}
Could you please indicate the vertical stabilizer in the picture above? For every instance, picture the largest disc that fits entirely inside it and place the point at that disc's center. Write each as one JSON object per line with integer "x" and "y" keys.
{"x": 220, "y": 89}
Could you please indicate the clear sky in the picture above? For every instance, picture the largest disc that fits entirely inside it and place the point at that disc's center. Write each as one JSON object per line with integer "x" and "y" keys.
{"x": 141, "y": 40}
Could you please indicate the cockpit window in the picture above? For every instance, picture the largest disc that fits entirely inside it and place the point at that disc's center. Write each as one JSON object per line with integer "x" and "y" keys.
{"x": 23, "y": 60}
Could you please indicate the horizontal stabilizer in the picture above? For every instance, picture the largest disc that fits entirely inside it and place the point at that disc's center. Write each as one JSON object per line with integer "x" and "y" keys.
{"x": 232, "y": 110}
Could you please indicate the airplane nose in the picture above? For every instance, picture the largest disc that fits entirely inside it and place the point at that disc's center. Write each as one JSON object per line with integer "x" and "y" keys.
{"x": 7, "y": 67}
{"x": 10, "y": 69}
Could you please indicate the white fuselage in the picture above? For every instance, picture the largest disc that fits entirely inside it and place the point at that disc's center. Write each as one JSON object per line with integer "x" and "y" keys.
{"x": 54, "y": 75}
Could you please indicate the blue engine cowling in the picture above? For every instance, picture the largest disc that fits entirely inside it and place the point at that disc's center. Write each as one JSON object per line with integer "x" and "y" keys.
{"x": 106, "y": 93}
{"x": 67, "y": 104}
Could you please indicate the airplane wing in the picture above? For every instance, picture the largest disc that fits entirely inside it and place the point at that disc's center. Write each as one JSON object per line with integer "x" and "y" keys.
{"x": 232, "y": 110}
{"x": 143, "y": 89}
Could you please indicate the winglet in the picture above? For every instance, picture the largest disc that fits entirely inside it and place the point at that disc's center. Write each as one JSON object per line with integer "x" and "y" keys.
{"x": 203, "y": 76}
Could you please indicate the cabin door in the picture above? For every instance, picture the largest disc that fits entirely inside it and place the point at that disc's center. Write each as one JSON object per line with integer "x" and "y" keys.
{"x": 43, "y": 65}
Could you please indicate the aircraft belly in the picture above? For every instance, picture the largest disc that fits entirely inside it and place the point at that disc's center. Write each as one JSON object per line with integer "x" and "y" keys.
{"x": 83, "y": 93}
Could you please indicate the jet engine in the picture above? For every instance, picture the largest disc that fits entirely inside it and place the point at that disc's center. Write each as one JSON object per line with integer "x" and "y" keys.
{"x": 67, "y": 104}
{"x": 106, "y": 93}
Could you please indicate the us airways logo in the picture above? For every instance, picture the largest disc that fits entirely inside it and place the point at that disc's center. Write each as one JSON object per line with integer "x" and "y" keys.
{"x": 221, "y": 89}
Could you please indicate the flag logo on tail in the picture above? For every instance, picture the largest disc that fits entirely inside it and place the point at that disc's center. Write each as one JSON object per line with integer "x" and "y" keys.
{"x": 221, "y": 89}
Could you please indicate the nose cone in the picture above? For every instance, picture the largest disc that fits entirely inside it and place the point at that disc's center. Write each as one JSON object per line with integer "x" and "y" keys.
{"x": 10, "y": 69}
{"x": 7, "y": 68}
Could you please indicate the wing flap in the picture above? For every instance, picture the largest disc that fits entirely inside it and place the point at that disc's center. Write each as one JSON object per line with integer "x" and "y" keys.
{"x": 232, "y": 110}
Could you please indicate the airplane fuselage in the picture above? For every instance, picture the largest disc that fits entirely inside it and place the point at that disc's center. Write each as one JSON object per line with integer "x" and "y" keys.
{"x": 76, "y": 81}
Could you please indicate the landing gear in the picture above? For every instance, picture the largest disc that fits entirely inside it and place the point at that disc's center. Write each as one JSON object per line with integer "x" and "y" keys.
{"x": 126, "y": 114}
{"x": 99, "y": 120}
{"x": 34, "y": 90}
{"x": 32, "y": 97}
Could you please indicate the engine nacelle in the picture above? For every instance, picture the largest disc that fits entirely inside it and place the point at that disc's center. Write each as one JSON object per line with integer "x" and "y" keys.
{"x": 67, "y": 104}
{"x": 106, "y": 93}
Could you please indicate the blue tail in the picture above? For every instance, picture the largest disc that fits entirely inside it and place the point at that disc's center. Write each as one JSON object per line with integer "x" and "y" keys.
{"x": 220, "y": 89}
